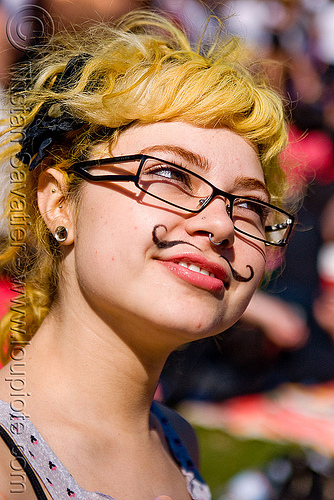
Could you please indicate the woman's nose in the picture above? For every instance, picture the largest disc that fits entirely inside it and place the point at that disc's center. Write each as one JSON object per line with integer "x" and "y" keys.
{"x": 214, "y": 221}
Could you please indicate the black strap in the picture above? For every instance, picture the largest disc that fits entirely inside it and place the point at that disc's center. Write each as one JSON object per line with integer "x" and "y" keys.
{"x": 17, "y": 453}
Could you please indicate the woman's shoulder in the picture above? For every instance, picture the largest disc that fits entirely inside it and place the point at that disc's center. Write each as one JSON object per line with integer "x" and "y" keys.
{"x": 183, "y": 429}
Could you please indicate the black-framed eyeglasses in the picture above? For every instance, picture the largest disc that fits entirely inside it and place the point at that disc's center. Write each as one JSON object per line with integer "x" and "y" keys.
{"x": 188, "y": 191}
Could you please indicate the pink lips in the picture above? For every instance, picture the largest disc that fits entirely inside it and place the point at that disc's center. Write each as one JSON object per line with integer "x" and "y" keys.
{"x": 207, "y": 282}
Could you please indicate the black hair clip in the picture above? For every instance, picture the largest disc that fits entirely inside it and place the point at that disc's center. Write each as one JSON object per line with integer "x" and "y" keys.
{"x": 51, "y": 122}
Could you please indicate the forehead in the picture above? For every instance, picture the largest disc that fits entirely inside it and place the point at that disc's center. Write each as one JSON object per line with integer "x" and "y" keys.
{"x": 221, "y": 152}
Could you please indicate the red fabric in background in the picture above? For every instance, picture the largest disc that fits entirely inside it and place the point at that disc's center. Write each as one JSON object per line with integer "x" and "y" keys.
{"x": 309, "y": 156}
{"x": 5, "y": 295}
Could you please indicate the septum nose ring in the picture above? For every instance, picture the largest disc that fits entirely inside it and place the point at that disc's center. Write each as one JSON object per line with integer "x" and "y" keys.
{"x": 213, "y": 242}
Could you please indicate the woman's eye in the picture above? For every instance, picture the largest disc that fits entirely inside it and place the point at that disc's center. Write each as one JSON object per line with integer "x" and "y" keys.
{"x": 170, "y": 174}
{"x": 251, "y": 208}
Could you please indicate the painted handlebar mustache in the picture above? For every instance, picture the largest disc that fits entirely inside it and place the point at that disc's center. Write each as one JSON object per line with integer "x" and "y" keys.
{"x": 162, "y": 244}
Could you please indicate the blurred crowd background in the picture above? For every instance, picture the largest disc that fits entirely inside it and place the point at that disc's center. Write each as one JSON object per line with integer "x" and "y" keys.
{"x": 287, "y": 334}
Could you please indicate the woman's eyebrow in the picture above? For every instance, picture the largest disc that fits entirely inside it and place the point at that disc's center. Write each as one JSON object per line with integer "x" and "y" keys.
{"x": 250, "y": 183}
{"x": 189, "y": 156}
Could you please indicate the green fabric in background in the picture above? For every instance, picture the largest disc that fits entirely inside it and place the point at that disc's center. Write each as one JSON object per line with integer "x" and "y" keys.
{"x": 223, "y": 455}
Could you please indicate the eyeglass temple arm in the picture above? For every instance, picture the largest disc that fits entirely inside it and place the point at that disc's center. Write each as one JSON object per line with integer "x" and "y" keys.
{"x": 80, "y": 170}
{"x": 109, "y": 177}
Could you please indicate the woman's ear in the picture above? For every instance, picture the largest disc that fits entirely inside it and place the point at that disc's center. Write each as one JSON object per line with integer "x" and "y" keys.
{"x": 53, "y": 204}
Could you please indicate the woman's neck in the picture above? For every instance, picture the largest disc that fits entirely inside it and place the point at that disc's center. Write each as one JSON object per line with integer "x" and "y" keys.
{"x": 96, "y": 373}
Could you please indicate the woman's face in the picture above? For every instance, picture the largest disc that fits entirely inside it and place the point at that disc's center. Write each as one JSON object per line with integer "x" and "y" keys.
{"x": 133, "y": 252}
